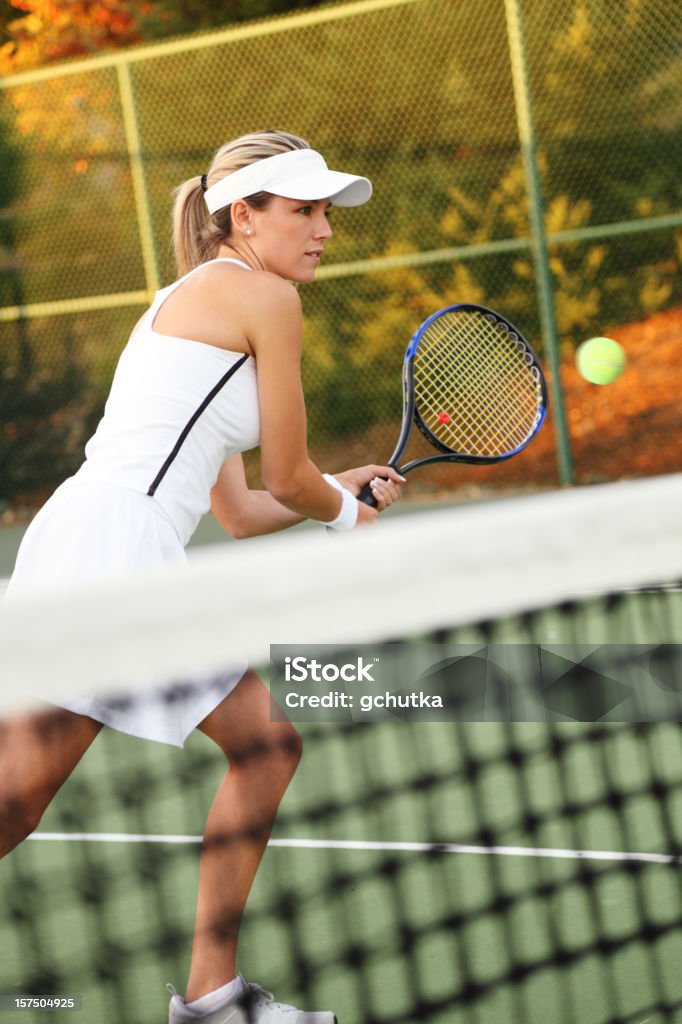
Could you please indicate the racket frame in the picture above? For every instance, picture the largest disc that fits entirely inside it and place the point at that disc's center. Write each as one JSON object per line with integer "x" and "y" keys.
{"x": 411, "y": 413}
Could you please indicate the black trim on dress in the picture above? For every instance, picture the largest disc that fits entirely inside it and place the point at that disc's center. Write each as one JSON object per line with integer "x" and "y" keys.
{"x": 190, "y": 423}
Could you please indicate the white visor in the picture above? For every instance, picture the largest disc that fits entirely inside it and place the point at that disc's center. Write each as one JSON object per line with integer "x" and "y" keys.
{"x": 298, "y": 174}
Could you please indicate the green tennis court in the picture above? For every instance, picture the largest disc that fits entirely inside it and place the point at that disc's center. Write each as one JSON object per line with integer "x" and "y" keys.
{"x": 382, "y": 934}
{"x": 443, "y": 872}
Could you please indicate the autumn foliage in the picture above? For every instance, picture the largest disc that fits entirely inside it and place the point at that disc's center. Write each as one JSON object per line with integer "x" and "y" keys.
{"x": 39, "y": 32}
{"x": 45, "y": 31}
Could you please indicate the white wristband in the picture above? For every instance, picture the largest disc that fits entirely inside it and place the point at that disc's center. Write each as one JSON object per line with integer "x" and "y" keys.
{"x": 348, "y": 514}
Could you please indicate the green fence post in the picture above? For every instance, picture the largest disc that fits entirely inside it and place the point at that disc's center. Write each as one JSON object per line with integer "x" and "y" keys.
{"x": 528, "y": 140}
{"x": 142, "y": 205}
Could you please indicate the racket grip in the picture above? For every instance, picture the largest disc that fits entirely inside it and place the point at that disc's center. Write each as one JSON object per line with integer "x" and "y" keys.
{"x": 367, "y": 497}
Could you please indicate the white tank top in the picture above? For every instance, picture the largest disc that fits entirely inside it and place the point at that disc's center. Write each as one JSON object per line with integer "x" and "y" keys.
{"x": 177, "y": 409}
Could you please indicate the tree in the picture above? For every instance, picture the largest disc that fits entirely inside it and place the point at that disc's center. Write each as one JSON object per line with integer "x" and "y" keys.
{"x": 39, "y": 32}
{"x": 43, "y": 403}
{"x": 50, "y": 30}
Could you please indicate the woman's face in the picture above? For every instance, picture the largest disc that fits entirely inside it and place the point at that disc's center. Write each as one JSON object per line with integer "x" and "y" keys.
{"x": 289, "y": 236}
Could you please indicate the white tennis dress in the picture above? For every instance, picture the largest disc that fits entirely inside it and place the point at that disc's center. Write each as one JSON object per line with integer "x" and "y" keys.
{"x": 177, "y": 409}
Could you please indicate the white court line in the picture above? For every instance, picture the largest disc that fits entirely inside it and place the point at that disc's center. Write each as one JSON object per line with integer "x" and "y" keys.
{"x": 349, "y": 844}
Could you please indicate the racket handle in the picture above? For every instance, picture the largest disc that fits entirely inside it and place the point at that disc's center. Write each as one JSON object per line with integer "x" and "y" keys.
{"x": 367, "y": 497}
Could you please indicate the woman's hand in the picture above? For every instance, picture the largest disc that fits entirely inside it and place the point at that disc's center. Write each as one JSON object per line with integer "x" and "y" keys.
{"x": 384, "y": 482}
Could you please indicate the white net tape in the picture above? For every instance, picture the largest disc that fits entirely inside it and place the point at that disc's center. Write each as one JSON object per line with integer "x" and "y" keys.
{"x": 410, "y": 574}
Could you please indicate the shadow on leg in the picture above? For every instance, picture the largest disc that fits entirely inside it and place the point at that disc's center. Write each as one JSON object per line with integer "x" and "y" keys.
{"x": 38, "y": 752}
{"x": 263, "y": 754}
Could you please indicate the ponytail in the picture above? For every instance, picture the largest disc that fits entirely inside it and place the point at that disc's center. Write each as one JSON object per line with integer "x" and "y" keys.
{"x": 195, "y": 235}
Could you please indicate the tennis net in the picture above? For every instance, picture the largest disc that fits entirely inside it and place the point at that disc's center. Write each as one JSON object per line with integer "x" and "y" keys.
{"x": 501, "y": 860}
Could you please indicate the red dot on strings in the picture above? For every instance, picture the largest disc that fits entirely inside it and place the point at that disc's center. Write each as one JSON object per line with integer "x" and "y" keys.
{"x": 444, "y": 417}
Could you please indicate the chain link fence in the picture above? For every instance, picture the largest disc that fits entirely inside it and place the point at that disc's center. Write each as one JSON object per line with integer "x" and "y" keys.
{"x": 524, "y": 155}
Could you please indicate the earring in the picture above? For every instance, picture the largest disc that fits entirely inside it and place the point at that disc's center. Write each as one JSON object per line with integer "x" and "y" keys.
{"x": 248, "y": 231}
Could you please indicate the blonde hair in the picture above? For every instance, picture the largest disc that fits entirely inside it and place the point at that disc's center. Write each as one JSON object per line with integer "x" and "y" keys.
{"x": 197, "y": 235}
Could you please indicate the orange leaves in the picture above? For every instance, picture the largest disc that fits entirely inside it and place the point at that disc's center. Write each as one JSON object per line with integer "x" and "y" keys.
{"x": 53, "y": 30}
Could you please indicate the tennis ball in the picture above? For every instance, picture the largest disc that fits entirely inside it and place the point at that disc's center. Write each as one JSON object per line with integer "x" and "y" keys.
{"x": 600, "y": 360}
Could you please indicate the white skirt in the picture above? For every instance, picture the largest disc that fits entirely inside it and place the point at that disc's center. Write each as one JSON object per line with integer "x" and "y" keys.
{"x": 91, "y": 530}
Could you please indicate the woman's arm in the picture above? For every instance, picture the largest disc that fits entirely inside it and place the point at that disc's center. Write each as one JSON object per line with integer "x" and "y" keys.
{"x": 275, "y": 331}
{"x": 245, "y": 513}
{"x": 274, "y": 328}
{"x": 269, "y": 311}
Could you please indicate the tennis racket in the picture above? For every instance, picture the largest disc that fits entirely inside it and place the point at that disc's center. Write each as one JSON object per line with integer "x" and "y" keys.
{"x": 473, "y": 386}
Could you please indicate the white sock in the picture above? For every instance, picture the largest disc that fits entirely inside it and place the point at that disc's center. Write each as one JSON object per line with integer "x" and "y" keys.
{"x": 214, "y": 1000}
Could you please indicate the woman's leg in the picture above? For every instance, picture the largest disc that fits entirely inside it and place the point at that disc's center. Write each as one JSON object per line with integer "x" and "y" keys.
{"x": 38, "y": 751}
{"x": 263, "y": 755}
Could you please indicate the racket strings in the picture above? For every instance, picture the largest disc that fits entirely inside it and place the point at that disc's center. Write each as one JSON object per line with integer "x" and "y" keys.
{"x": 510, "y": 389}
{"x": 477, "y": 392}
{"x": 467, "y": 362}
{"x": 478, "y": 425}
{"x": 475, "y": 385}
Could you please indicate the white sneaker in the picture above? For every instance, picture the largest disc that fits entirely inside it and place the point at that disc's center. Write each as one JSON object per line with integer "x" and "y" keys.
{"x": 254, "y": 1005}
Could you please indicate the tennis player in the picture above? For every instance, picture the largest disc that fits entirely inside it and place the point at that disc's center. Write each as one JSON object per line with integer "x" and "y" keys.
{"x": 211, "y": 369}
